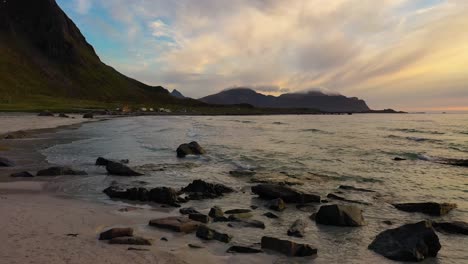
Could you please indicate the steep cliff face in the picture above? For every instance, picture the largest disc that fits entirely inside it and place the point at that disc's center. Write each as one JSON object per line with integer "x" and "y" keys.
{"x": 312, "y": 100}
{"x": 43, "y": 54}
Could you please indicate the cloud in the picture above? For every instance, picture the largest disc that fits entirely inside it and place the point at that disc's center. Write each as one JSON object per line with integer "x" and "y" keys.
{"x": 83, "y": 6}
{"x": 270, "y": 89}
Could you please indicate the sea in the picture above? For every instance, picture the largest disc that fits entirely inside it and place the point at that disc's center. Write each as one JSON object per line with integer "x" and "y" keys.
{"x": 312, "y": 153}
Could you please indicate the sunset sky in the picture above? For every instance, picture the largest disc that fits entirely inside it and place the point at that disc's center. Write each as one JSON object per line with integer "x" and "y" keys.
{"x": 404, "y": 54}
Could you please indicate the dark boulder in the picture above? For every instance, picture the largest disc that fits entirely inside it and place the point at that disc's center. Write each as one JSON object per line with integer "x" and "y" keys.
{"x": 239, "y": 223}
{"x": 340, "y": 198}
{"x": 398, "y": 159}
{"x": 176, "y": 224}
{"x": 297, "y": 229}
{"x": 139, "y": 241}
{"x": 270, "y": 215}
{"x": 119, "y": 169}
{"x": 45, "y": 113}
{"x": 340, "y": 215}
{"x": 430, "y": 208}
{"x": 200, "y": 189}
{"x": 216, "y": 212}
{"x": 456, "y": 227}
{"x": 288, "y": 248}
{"x": 238, "y": 211}
{"x": 192, "y": 148}
{"x": 200, "y": 218}
{"x": 188, "y": 210}
{"x": 88, "y": 115}
{"x": 4, "y": 162}
{"x": 164, "y": 195}
{"x": 410, "y": 242}
{"x": 23, "y": 174}
{"x": 207, "y": 233}
{"x": 277, "y": 204}
{"x": 243, "y": 249}
{"x": 116, "y": 232}
{"x": 59, "y": 171}
{"x": 103, "y": 161}
{"x": 289, "y": 195}
{"x": 238, "y": 217}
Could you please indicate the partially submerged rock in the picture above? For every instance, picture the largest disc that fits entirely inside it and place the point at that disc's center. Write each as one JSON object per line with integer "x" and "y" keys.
{"x": 177, "y": 224}
{"x": 340, "y": 215}
{"x": 410, "y": 242}
{"x": 277, "y": 204}
{"x": 200, "y": 189}
{"x": 103, "y": 161}
{"x": 163, "y": 195}
{"x": 4, "y": 162}
{"x": 200, "y": 218}
{"x": 242, "y": 173}
{"x": 430, "y": 208}
{"x": 288, "y": 248}
{"x": 243, "y": 249}
{"x": 192, "y": 148}
{"x": 207, "y": 233}
{"x": 23, "y": 174}
{"x": 140, "y": 241}
{"x": 119, "y": 169}
{"x": 45, "y": 113}
{"x": 88, "y": 115}
{"x": 456, "y": 227}
{"x": 398, "y": 159}
{"x": 188, "y": 210}
{"x": 297, "y": 229}
{"x": 289, "y": 195}
{"x": 60, "y": 171}
{"x": 116, "y": 232}
{"x": 216, "y": 212}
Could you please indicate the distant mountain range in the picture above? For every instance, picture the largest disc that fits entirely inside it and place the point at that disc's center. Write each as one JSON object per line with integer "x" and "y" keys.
{"x": 310, "y": 100}
{"x": 177, "y": 94}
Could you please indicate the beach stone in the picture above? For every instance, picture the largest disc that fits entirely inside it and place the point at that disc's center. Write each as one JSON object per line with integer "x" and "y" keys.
{"x": 59, "y": 171}
{"x": 200, "y": 218}
{"x": 137, "y": 249}
{"x": 288, "y": 248}
{"x": 196, "y": 246}
{"x": 277, "y": 205}
{"x": 23, "y": 174}
{"x": 216, "y": 212}
{"x": 103, "y": 161}
{"x": 236, "y": 217}
{"x": 164, "y": 195}
{"x": 239, "y": 223}
{"x": 242, "y": 173}
{"x": 200, "y": 189}
{"x": 4, "y": 162}
{"x": 188, "y": 210}
{"x": 116, "y": 232}
{"x": 456, "y": 227}
{"x": 271, "y": 215}
{"x": 289, "y": 195}
{"x": 352, "y": 188}
{"x": 177, "y": 224}
{"x": 430, "y": 208}
{"x": 410, "y": 242}
{"x": 116, "y": 192}
{"x": 88, "y": 115}
{"x": 340, "y": 215}
{"x": 45, "y": 113}
{"x": 340, "y": 198}
{"x": 238, "y": 211}
{"x": 140, "y": 241}
{"x": 192, "y": 148}
{"x": 243, "y": 249}
{"x": 398, "y": 159}
{"x": 63, "y": 115}
{"x": 207, "y": 233}
{"x": 297, "y": 229}
{"x": 119, "y": 169}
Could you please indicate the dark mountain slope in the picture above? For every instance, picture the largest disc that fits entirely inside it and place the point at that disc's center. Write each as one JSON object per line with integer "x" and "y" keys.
{"x": 311, "y": 100}
{"x": 44, "y": 56}
{"x": 177, "y": 94}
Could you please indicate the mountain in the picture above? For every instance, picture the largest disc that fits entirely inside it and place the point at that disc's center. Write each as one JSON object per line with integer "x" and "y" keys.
{"x": 177, "y": 94}
{"x": 45, "y": 58}
{"x": 311, "y": 100}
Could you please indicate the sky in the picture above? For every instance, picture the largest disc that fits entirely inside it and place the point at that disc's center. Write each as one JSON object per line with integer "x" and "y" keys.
{"x": 403, "y": 54}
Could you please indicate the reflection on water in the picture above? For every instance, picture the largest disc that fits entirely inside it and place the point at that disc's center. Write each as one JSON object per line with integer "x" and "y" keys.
{"x": 321, "y": 152}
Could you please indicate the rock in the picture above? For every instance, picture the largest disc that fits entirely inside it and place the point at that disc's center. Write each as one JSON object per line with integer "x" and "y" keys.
{"x": 270, "y": 215}
{"x": 177, "y": 224}
{"x": 287, "y": 247}
{"x": 88, "y": 115}
{"x": 352, "y": 188}
{"x": 236, "y": 217}
{"x": 140, "y": 241}
{"x": 398, "y": 159}
{"x": 243, "y": 249}
{"x": 242, "y": 173}
{"x": 23, "y": 174}
{"x": 200, "y": 218}
{"x": 116, "y": 232}
{"x": 16, "y": 135}
{"x": 453, "y": 162}
{"x": 238, "y": 211}
{"x": 239, "y": 223}
{"x": 410, "y": 242}
{"x": 200, "y": 189}
{"x": 192, "y": 148}
{"x": 4, "y": 162}
{"x": 216, "y": 212}
{"x": 188, "y": 210}
{"x": 196, "y": 246}
{"x": 164, "y": 195}
{"x": 59, "y": 171}
{"x": 289, "y": 195}
{"x": 137, "y": 249}
{"x": 277, "y": 205}
{"x": 207, "y": 233}
{"x": 456, "y": 227}
{"x": 254, "y": 207}
{"x": 430, "y": 208}
{"x": 103, "y": 161}
{"x": 340, "y": 215}
{"x": 119, "y": 169}
{"x": 387, "y": 222}
{"x": 164, "y": 239}
{"x": 340, "y": 198}
{"x": 297, "y": 229}
{"x": 63, "y": 115}
{"x": 45, "y": 113}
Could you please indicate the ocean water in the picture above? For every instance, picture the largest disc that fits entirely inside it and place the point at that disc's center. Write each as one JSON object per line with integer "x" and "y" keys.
{"x": 317, "y": 152}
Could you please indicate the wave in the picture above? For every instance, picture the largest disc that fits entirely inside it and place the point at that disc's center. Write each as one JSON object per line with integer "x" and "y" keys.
{"x": 314, "y": 130}
{"x": 243, "y": 121}
{"x": 416, "y": 139}
{"x": 412, "y": 130}
{"x": 279, "y": 123}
